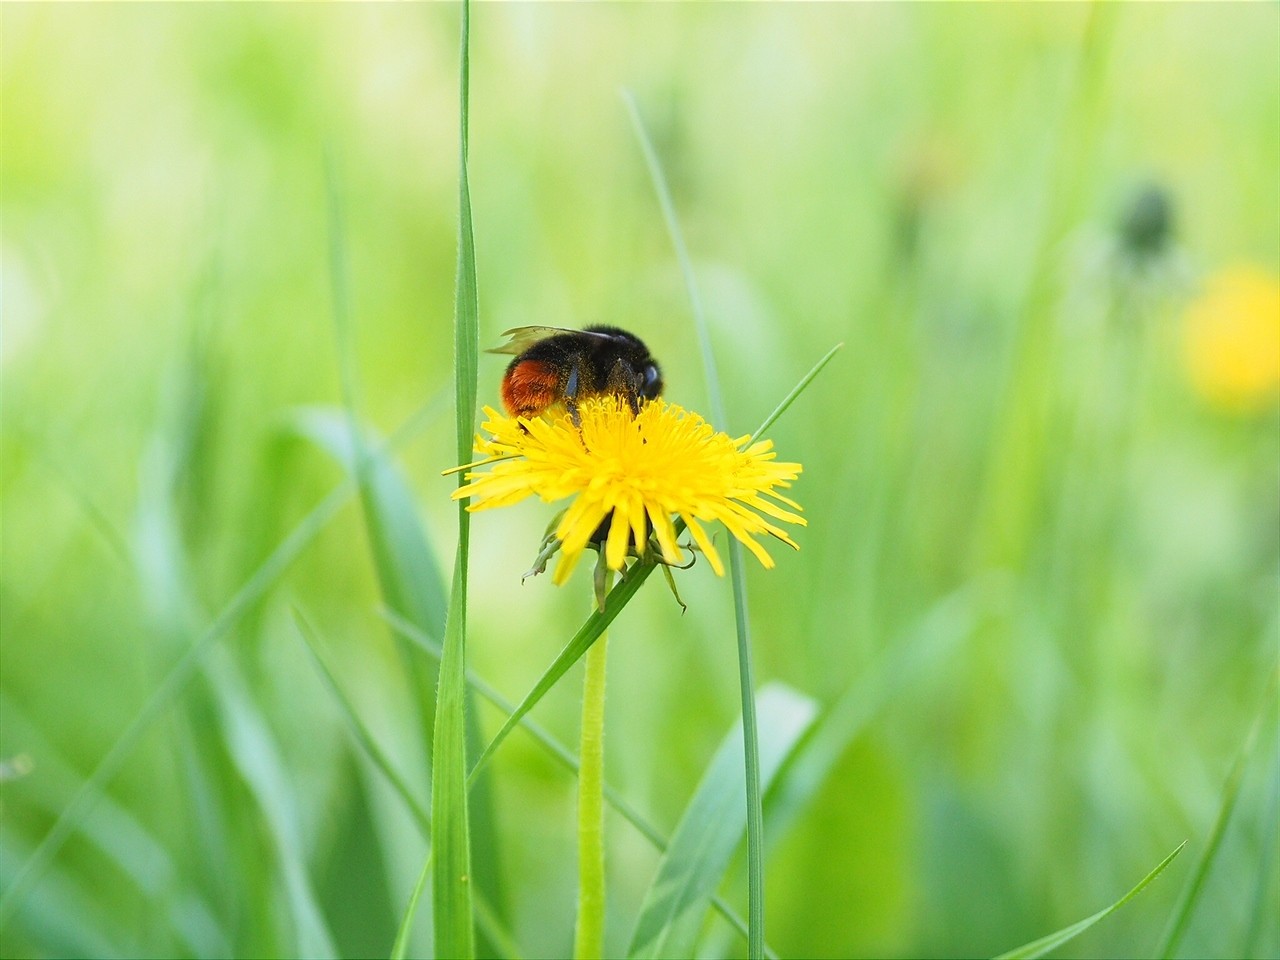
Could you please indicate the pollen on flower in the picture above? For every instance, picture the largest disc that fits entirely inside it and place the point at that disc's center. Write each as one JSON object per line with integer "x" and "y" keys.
{"x": 641, "y": 472}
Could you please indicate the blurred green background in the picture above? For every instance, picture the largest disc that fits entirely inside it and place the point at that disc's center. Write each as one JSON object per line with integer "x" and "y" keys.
{"x": 1041, "y": 576}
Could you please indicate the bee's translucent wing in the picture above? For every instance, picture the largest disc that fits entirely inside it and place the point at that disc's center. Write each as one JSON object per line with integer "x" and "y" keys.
{"x": 520, "y": 339}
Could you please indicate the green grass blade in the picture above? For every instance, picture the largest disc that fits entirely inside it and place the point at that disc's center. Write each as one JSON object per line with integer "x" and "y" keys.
{"x": 1005, "y": 520}
{"x": 1263, "y": 896}
{"x": 179, "y": 675}
{"x": 450, "y": 838}
{"x": 400, "y": 949}
{"x": 746, "y": 680}
{"x": 587, "y": 634}
{"x": 490, "y": 923}
{"x": 359, "y": 732}
{"x": 798, "y": 389}
{"x": 1230, "y": 794}
{"x": 63, "y": 917}
{"x": 712, "y": 826}
{"x": 569, "y": 760}
{"x": 410, "y": 578}
{"x": 659, "y": 179}
{"x": 170, "y": 688}
{"x": 1038, "y": 948}
{"x": 65, "y": 477}
{"x": 411, "y": 583}
{"x": 255, "y": 755}
{"x": 407, "y": 573}
{"x": 927, "y": 644}
{"x": 123, "y": 840}
{"x": 466, "y": 330}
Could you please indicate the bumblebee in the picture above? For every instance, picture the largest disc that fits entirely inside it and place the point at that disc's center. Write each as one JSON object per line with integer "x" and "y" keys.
{"x": 557, "y": 366}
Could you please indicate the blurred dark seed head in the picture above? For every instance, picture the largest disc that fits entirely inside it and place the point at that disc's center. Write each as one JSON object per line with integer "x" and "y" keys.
{"x": 1146, "y": 227}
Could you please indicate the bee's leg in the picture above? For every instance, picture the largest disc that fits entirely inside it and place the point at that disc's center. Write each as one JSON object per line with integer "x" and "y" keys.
{"x": 571, "y": 396}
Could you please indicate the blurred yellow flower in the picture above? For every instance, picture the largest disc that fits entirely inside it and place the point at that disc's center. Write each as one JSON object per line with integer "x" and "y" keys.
{"x": 1232, "y": 339}
{"x": 639, "y": 472}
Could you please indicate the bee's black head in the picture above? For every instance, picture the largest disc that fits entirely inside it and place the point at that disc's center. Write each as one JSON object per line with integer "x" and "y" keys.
{"x": 631, "y": 350}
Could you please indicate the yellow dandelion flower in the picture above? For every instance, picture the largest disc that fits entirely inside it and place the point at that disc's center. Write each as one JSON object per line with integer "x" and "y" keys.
{"x": 1232, "y": 339}
{"x": 638, "y": 471}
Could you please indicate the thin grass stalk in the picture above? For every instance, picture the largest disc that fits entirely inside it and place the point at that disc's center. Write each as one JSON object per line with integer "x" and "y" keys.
{"x": 364, "y": 739}
{"x": 746, "y": 678}
{"x": 362, "y": 459}
{"x": 1230, "y": 794}
{"x": 171, "y": 687}
{"x": 1261, "y": 908}
{"x": 751, "y": 747}
{"x": 489, "y": 922}
{"x": 400, "y": 948}
{"x": 799, "y": 388}
{"x": 1038, "y": 948}
{"x": 1003, "y": 522}
{"x": 194, "y": 920}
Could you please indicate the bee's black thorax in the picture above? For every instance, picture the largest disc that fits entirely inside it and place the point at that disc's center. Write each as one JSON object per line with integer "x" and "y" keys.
{"x": 616, "y": 363}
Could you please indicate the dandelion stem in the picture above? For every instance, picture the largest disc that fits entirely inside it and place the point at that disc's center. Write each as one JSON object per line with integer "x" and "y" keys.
{"x": 588, "y": 937}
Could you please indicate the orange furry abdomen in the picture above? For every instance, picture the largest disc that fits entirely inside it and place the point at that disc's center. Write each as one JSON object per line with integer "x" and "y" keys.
{"x": 529, "y": 387}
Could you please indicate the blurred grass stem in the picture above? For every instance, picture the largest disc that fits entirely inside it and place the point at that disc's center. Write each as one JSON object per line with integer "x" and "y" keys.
{"x": 746, "y": 680}
{"x": 1018, "y": 452}
{"x": 181, "y": 673}
{"x": 1230, "y": 794}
